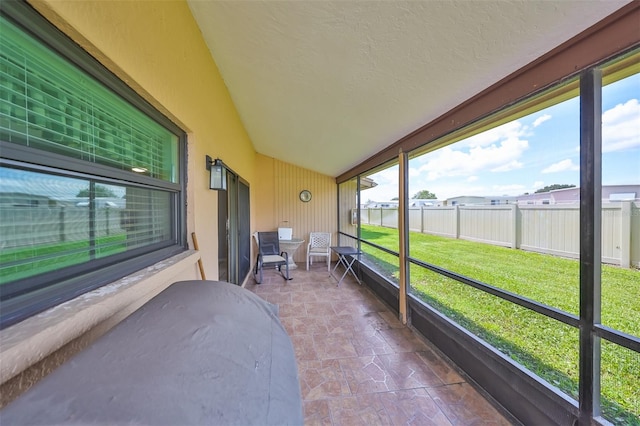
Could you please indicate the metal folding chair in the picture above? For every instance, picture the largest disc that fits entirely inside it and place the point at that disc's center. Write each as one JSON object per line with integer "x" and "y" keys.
{"x": 269, "y": 254}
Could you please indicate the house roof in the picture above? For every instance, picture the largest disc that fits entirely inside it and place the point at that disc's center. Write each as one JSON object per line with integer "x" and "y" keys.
{"x": 326, "y": 84}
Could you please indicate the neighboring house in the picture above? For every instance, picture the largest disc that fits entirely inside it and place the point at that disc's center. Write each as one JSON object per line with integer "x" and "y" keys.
{"x": 466, "y": 200}
{"x": 610, "y": 193}
{"x": 382, "y": 205}
{"x": 418, "y": 202}
{"x": 20, "y": 199}
{"x": 115, "y": 203}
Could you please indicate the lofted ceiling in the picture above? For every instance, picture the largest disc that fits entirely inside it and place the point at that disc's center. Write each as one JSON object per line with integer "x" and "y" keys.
{"x": 325, "y": 85}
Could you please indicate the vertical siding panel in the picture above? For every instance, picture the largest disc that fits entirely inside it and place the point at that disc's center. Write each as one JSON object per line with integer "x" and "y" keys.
{"x": 319, "y": 214}
{"x": 611, "y": 237}
{"x": 634, "y": 244}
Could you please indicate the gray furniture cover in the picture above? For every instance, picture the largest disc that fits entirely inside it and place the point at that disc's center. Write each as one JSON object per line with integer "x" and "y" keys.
{"x": 199, "y": 353}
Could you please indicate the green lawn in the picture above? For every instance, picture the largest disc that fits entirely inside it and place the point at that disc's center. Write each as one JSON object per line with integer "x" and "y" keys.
{"x": 545, "y": 346}
{"x": 22, "y": 263}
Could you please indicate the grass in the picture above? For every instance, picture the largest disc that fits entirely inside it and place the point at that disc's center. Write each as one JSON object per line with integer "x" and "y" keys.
{"x": 22, "y": 263}
{"x": 545, "y": 346}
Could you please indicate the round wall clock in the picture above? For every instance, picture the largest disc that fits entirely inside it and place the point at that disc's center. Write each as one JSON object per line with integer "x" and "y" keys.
{"x": 305, "y": 196}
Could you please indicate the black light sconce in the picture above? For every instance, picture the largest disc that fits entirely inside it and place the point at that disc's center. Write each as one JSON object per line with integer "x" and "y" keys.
{"x": 218, "y": 174}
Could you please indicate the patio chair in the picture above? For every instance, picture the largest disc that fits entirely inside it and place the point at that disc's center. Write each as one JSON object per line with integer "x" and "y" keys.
{"x": 269, "y": 254}
{"x": 319, "y": 246}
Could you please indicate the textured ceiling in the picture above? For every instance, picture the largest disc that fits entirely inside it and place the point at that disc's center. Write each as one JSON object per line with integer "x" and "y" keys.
{"x": 326, "y": 84}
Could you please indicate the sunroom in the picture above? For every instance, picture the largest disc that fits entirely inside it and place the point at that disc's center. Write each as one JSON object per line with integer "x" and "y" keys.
{"x": 481, "y": 159}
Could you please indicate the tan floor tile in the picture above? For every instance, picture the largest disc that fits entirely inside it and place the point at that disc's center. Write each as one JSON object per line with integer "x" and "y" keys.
{"x": 322, "y": 379}
{"x": 408, "y": 407}
{"x": 277, "y": 298}
{"x": 345, "y": 307}
{"x": 295, "y": 286}
{"x": 308, "y": 325}
{"x": 409, "y": 371}
{"x": 319, "y": 309}
{"x": 370, "y": 342}
{"x": 463, "y": 405}
{"x": 333, "y": 294}
{"x": 304, "y": 347}
{"x": 367, "y": 375}
{"x": 334, "y": 346}
{"x": 443, "y": 370}
{"x": 391, "y": 319}
{"x": 353, "y": 291}
{"x": 368, "y": 320}
{"x": 403, "y": 340}
{"x": 295, "y": 309}
{"x": 340, "y": 324}
{"x": 351, "y": 412}
{"x": 316, "y": 413}
{"x": 357, "y": 306}
{"x": 307, "y": 296}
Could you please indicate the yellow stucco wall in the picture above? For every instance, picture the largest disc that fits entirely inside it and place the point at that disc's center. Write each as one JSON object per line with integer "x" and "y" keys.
{"x": 157, "y": 48}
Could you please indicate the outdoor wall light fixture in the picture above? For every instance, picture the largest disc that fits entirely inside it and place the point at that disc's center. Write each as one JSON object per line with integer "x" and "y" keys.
{"x": 218, "y": 174}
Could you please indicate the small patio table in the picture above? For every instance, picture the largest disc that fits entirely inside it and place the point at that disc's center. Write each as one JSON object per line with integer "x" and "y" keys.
{"x": 343, "y": 253}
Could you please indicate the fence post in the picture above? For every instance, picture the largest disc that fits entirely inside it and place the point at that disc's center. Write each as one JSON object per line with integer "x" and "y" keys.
{"x": 625, "y": 234}
{"x": 456, "y": 214}
{"x": 422, "y": 219}
{"x": 61, "y": 218}
{"x": 514, "y": 226}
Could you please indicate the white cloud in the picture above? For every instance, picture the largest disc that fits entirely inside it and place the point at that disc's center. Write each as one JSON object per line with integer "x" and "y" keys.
{"x": 387, "y": 187}
{"x": 498, "y": 153}
{"x": 455, "y": 189}
{"x": 512, "y": 165}
{"x": 532, "y": 188}
{"x": 621, "y": 127}
{"x": 541, "y": 120}
{"x": 386, "y": 176}
{"x": 561, "y": 166}
{"x": 514, "y": 189}
{"x": 510, "y": 130}
{"x": 472, "y": 178}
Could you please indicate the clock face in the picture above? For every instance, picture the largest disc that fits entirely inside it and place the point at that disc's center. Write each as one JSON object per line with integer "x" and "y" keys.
{"x": 305, "y": 196}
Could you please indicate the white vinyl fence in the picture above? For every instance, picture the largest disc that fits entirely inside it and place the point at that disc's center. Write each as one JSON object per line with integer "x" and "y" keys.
{"x": 550, "y": 229}
{"x": 31, "y": 226}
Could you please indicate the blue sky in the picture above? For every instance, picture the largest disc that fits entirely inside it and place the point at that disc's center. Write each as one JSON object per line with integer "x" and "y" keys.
{"x": 529, "y": 153}
{"x": 56, "y": 187}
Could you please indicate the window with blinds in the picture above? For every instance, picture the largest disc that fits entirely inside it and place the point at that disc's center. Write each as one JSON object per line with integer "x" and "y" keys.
{"x": 91, "y": 185}
{"x": 49, "y": 104}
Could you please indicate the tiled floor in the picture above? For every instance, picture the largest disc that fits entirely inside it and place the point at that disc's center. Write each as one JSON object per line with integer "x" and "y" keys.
{"x": 359, "y": 365}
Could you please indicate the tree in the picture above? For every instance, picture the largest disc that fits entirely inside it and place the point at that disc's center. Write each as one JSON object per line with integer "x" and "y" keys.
{"x": 100, "y": 191}
{"x": 395, "y": 199}
{"x": 553, "y": 187}
{"x": 425, "y": 195}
